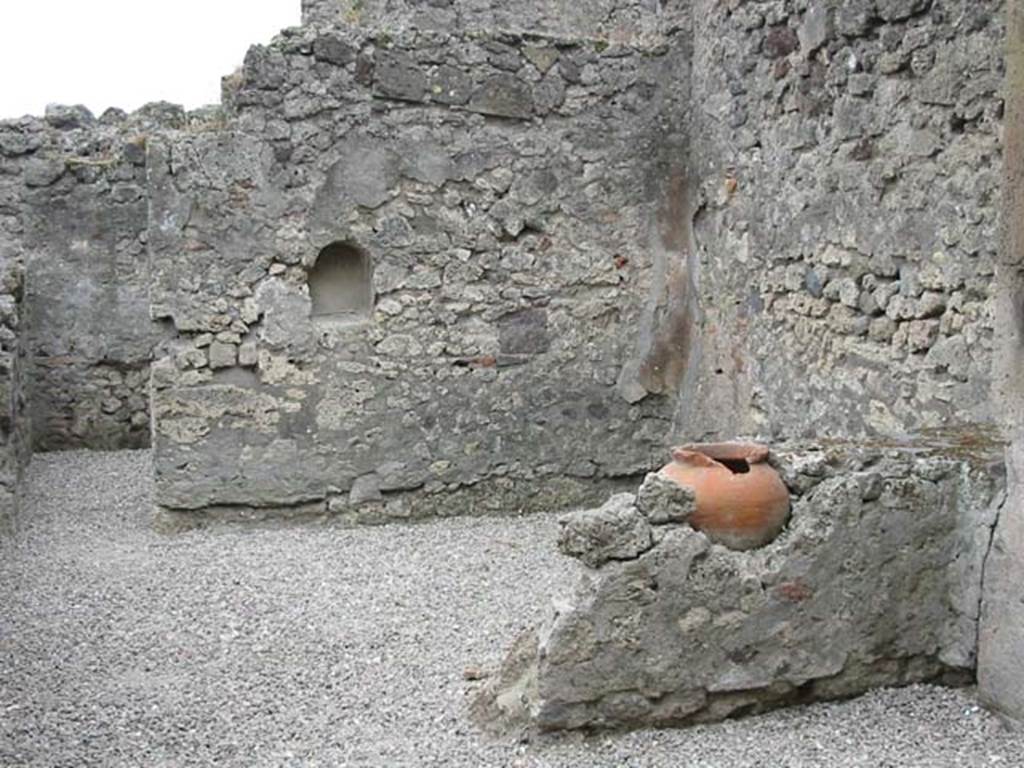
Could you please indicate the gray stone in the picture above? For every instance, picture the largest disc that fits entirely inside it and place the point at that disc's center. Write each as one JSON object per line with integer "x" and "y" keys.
{"x": 615, "y": 531}
{"x": 815, "y": 29}
{"x": 780, "y": 41}
{"x": 286, "y": 309}
{"x": 400, "y": 476}
{"x": 663, "y": 501}
{"x": 64, "y": 117}
{"x": 365, "y": 174}
{"x": 853, "y": 18}
{"x": 542, "y": 57}
{"x": 503, "y": 95}
{"x": 450, "y": 85}
{"x": 159, "y": 114}
{"x": 921, "y": 334}
{"x": 896, "y": 10}
{"x": 397, "y": 76}
{"x": 43, "y": 172}
{"x": 334, "y": 49}
{"x": 248, "y": 354}
{"x": 365, "y": 489}
{"x": 223, "y": 355}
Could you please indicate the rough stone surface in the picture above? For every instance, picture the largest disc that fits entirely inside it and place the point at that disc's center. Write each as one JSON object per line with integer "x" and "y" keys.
{"x": 615, "y": 531}
{"x": 847, "y": 218}
{"x": 1001, "y": 642}
{"x": 517, "y": 257}
{"x": 877, "y": 581}
{"x": 662, "y": 501}
{"x": 14, "y": 416}
{"x": 590, "y": 229}
{"x": 726, "y": 265}
{"x": 618, "y": 20}
{"x": 73, "y": 201}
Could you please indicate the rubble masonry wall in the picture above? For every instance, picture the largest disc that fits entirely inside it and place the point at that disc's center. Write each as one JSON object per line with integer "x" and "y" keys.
{"x": 510, "y": 193}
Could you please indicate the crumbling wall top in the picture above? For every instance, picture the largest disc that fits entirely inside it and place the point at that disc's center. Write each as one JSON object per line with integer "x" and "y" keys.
{"x": 619, "y": 20}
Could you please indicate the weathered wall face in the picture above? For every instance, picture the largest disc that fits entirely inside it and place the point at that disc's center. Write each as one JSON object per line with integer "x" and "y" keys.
{"x": 507, "y": 191}
{"x": 74, "y": 204}
{"x": 876, "y": 581}
{"x": 847, "y": 223}
{"x": 842, "y": 273}
{"x": 14, "y": 420}
{"x": 421, "y": 266}
{"x": 619, "y": 20}
{"x": 1001, "y": 641}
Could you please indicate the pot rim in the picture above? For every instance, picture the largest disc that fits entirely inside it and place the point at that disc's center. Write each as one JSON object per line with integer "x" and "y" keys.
{"x": 752, "y": 453}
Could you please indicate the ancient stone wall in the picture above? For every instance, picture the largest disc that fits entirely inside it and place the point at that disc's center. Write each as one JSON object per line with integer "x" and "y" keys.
{"x": 14, "y": 417}
{"x": 618, "y": 20}
{"x": 842, "y": 229}
{"x": 73, "y": 201}
{"x": 509, "y": 196}
{"x": 441, "y": 257}
{"x": 876, "y": 581}
{"x": 849, "y": 154}
{"x": 1001, "y": 642}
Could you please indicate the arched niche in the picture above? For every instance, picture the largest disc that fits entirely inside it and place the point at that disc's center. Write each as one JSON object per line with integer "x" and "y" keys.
{"x": 340, "y": 283}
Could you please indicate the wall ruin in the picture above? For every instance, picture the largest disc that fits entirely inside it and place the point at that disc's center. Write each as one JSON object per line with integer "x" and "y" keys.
{"x": 619, "y": 21}
{"x": 845, "y": 243}
{"x": 74, "y": 204}
{"x": 875, "y": 582}
{"x": 563, "y": 236}
{"x": 14, "y": 415}
{"x": 506, "y": 190}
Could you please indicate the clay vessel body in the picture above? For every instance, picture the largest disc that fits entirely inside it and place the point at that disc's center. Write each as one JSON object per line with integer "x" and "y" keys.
{"x": 742, "y": 502}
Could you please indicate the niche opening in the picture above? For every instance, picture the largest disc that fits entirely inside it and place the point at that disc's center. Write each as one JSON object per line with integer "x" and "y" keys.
{"x": 340, "y": 284}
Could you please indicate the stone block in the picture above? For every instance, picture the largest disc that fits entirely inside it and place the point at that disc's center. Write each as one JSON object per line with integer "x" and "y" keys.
{"x": 524, "y": 332}
{"x": 615, "y": 531}
{"x": 398, "y": 76}
{"x": 365, "y": 489}
{"x": 662, "y": 501}
{"x": 897, "y": 10}
{"x": 334, "y": 49}
{"x": 223, "y": 355}
{"x": 815, "y": 29}
{"x": 503, "y": 95}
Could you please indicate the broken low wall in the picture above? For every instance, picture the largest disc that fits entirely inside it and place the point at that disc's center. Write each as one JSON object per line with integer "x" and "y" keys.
{"x": 876, "y": 581}
{"x": 14, "y": 425}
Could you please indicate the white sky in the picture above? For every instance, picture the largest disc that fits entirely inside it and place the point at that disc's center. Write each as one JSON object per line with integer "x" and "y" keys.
{"x": 124, "y": 53}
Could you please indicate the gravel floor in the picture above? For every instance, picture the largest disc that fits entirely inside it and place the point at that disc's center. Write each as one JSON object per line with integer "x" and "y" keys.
{"x": 318, "y": 646}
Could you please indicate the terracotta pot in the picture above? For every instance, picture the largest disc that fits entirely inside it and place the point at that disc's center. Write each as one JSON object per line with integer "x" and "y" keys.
{"x": 741, "y": 500}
